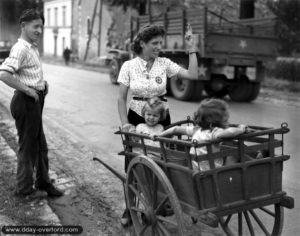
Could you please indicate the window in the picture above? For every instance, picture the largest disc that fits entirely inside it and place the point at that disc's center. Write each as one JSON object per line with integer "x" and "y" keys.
{"x": 88, "y": 25}
{"x": 48, "y": 16}
{"x": 55, "y": 16}
{"x": 64, "y": 15}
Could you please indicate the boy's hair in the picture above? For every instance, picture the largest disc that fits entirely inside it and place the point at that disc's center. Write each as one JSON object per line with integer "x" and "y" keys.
{"x": 211, "y": 113}
{"x": 155, "y": 103}
{"x": 145, "y": 34}
{"x": 30, "y": 15}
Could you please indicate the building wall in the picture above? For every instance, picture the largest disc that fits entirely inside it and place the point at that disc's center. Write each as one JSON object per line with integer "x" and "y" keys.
{"x": 115, "y": 27}
{"x": 58, "y": 24}
{"x": 82, "y": 22}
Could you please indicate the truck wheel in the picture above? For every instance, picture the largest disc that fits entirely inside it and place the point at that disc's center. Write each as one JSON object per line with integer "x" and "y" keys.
{"x": 217, "y": 87}
{"x": 182, "y": 89}
{"x": 241, "y": 90}
{"x": 197, "y": 93}
{"x": 255, "y": 88}
{"x": 114, "y": 69}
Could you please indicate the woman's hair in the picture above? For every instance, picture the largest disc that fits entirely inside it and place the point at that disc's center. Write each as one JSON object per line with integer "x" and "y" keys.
{"x": 156, "y": 104}
{"x": 30, "y": 15}
{"x": 145, "y": 34}
{"x": 212, "y": 113}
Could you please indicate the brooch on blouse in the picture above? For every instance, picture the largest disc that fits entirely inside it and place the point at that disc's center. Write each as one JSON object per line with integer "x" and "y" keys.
{"x": 158, "y": 80}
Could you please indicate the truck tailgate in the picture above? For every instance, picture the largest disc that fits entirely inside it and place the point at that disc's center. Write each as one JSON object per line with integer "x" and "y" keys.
{"x": 222, "y": 45}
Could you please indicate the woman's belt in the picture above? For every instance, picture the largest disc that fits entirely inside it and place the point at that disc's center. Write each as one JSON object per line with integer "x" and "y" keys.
{"x": 145, "y": 99}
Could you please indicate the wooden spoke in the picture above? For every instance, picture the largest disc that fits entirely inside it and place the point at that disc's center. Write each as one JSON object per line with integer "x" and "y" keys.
{"x": 250, "y": 227}
{"x": 163, "y": 229}
{"x": 143, "y": 230}
{"x": 154, "y": 191}
{"x": 166, "y": 220}
{"x": 227, "y": 220}
{"x": 141, "y": 184}
{"x": 137, "y": 209}
{"x": 267, "y": 211}
{"x": 261, "y": 225}
{"x": 225, "y": 227}
{"x": 153, "y": 230}
{"x": 161, "y": 204}
{"x": 240, "y": 219}
{"x": 138, "y": 195}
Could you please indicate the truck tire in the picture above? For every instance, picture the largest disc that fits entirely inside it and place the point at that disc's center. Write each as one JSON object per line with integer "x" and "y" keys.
{"x": 255, "y": 88}
{"x": 198, "y": 89}
{"x": 241, "y": 90}
{"x": 182, "y": 89}
{"x": 216, "y": 87}
{"x": 114, "y": 69}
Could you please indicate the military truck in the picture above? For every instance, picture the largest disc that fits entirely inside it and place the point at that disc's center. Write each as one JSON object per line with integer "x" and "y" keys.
{"x": 231, "y": 53}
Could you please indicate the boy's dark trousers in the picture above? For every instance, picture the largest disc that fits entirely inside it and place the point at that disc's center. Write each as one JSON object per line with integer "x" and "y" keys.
{"x": 33, "y": 150}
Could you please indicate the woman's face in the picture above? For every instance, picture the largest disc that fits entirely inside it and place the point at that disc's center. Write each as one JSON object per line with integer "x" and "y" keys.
{"x": 152, "y": 48}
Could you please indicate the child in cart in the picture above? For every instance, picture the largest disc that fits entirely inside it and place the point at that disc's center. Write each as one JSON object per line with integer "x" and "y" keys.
{"x": 211, "y": 119}
{"x": 153, "y": 112}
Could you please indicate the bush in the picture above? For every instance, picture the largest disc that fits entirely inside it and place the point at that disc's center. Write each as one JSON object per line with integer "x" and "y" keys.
{"x": 284, "y": 68}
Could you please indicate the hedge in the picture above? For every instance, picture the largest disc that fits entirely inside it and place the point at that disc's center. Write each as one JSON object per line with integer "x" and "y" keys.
{"x": 284, "y": 68}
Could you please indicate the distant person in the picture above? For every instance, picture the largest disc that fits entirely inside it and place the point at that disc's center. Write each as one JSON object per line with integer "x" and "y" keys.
{"x": 66, "y": 54}
{"x": 22, "y": 71}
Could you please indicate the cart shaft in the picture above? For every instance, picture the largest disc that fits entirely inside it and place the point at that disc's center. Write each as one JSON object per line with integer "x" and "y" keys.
{"x": 117, "y": 173}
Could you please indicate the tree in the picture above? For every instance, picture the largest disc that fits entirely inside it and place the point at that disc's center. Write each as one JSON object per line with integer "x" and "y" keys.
{"x": 14, "y": 8}
{"x": 139, "y": 5}
{"x": 288, "y": 26}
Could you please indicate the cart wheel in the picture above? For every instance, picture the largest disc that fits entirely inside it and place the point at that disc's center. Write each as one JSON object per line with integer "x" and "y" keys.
{"x": 148, "y": 192}
{"x": 259, "y": 221}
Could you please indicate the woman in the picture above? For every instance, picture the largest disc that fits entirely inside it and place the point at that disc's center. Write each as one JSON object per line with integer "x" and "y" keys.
{"x": 146, "y": 74}
{"x": 146, "y": 77}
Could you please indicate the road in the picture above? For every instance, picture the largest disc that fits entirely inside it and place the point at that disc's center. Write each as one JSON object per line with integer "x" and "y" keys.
{"x": 82, "y": 107}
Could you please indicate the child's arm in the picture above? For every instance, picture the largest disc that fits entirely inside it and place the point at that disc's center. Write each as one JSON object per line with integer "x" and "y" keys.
{"x": 174, "y": 130}
{"x": 231, "y": 132}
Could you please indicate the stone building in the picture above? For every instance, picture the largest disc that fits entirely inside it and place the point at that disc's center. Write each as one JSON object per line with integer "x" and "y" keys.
{"x": 58, "y": 26}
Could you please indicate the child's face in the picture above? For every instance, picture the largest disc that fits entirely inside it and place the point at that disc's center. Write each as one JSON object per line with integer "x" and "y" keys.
{"x": 152, "y": 117}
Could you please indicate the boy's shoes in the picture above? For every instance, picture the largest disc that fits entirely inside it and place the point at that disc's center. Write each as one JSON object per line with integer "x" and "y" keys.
{"x": 51, "y": 190}
{"x": 126, "y": 219}
{"x": 32, "y": 194}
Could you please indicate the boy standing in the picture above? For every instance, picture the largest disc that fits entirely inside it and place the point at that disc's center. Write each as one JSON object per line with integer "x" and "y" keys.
{"x": 22, "y": 70}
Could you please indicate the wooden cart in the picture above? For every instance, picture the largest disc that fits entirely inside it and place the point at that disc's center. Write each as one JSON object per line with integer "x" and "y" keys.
{"x": 245, "y": 198}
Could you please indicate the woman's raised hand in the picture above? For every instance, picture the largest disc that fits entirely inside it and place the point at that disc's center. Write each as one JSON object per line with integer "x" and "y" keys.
{"x": 189, "y": 38}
